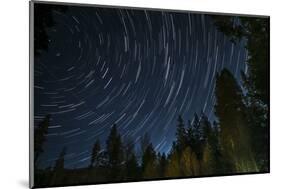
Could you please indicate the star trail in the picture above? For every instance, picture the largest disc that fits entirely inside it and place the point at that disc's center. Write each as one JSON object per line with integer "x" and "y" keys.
{"x": 140, "y": 69}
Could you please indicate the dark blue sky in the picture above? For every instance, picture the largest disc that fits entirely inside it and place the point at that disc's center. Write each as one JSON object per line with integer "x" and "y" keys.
{"x": 138, "y": 69}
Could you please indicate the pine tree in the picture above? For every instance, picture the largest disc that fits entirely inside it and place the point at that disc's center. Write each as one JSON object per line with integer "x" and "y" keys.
{"x": 189, "y": 163}
{"x": 231, "y": 113}
{"x": 131, "y": 164}
{"x": 132, "y": 169}
{"x": 181, "y": 135}
{"x": 60, "y": 161}
{"x": 173, "y": 168}
{"x": 212, "y": 158}
{"x": 95, "y": 154}
{"x": 197, "y": 142}
{"x": 145, "y": 141}
{"x": 115, "y": 154}
{"x": 40, "y": 133}
{"x": 58, "y": 176}
{"x": 194, "y": 135}
{"x": 196, "y": 127}
{"x": 149, "y": 163}
{"x": 190, "y": 134}
{"x": 206, "y": 127}
{"x": 162, "y": 164}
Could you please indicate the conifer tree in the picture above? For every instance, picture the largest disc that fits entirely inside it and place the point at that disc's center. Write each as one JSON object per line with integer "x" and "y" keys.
{"x": 231, "y": 113}
{"x": 132, "y": 169}
{"x": 59, "y": 172}
{"x": 162, "y": 164}
{"x": 114, "y": 150}
{"x": 149, "y": 163}
{"x": 95, "y": 154}
{"x": 181, "y": 135}
{"x": 40, "y": 133}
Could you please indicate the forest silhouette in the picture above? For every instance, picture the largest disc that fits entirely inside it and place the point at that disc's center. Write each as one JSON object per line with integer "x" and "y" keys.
{"x": 236, "y": 143}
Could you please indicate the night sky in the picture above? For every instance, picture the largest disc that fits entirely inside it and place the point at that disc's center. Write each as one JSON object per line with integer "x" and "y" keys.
{"x": 139, "y": 69}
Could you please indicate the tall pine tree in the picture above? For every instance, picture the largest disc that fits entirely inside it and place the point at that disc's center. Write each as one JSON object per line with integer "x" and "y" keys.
{"x": 181, "y": 135}
{"x": 115, "y": 154}
{"x": 95, "y": 154}
{"x": 235, "y": 137}
{"x": 40, "y": 133}
{"x": 149, "y": 163}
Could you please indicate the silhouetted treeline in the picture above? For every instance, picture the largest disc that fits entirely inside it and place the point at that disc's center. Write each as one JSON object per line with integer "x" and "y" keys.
{"x": 237, "y": 142}
{"x": 200, "y": 148}
{"x": 195, "y": 144}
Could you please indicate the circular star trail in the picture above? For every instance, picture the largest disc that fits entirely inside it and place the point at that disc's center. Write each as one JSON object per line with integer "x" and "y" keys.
{"x": 140, "y": 69}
